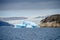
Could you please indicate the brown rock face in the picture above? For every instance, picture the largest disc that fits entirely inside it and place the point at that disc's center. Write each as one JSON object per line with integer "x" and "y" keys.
{"x": 51, "y": 21}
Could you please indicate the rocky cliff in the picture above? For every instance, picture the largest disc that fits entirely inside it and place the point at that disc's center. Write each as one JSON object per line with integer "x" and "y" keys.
{"x": 2, "y": 23}
{"x": 51, "y": 21}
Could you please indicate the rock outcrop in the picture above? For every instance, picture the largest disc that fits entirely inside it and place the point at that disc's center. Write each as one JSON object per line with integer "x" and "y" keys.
{"x": 51, "y": 21}
{"x": 2, "y": 23}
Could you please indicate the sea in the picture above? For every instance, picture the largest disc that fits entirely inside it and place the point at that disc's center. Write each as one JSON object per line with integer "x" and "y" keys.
{"x": 10, "y": 33}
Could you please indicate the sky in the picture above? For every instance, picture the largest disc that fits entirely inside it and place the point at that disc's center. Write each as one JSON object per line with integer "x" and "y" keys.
{"x": 28, "y": 7}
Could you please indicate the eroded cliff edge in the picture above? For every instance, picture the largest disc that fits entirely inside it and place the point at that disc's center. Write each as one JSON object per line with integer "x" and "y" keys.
{"x": 51, "y": 21}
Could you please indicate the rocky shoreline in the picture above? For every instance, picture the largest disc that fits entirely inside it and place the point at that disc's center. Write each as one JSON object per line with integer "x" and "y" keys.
{"x": 51, "y": 21}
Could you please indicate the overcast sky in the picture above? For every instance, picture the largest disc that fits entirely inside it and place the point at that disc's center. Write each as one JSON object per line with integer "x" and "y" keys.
{"x": 28, "y": 7}
{"x": 29, "y": 4}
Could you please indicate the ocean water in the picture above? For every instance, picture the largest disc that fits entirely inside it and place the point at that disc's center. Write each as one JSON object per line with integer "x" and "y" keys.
{"x": 9, "y": 33}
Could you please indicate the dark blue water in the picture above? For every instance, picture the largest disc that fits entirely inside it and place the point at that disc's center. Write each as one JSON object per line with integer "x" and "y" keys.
{"x": 9, "y": 33}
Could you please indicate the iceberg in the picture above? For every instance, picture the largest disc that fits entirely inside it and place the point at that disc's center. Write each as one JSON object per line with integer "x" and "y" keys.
{"x": 26, "y": 24}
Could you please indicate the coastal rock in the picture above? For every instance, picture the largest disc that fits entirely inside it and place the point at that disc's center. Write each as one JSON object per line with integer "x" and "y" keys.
{"x": 3, "y": 23}
{"x": 51, "y": 21}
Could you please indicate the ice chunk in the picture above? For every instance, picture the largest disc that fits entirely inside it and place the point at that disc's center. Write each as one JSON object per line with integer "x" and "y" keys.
{"x": 26, "y": 24}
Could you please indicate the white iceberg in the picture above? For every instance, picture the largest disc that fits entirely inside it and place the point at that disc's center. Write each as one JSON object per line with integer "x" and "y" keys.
{"x": 26, "y": 24}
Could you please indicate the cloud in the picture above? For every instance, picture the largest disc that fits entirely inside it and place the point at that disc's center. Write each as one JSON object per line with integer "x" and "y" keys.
{"x": 12, "y": 1}
{"x": 29, "y": 5}
{"x": 28, "y": 13}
